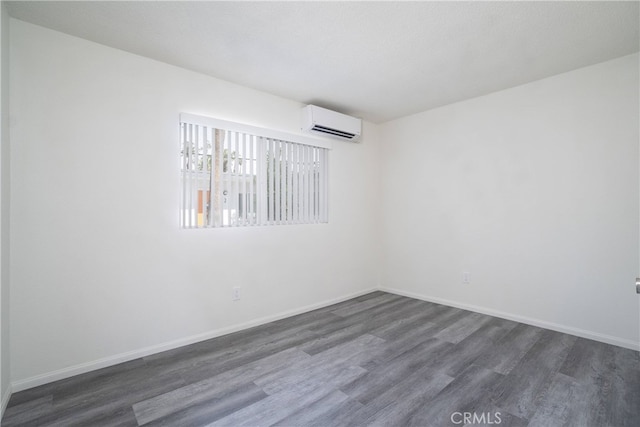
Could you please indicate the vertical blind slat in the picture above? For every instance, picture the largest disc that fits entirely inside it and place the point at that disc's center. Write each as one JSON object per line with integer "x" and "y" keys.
{"x": 315, "y": 185}
{"x": 296, "y": 176}
{"x": 318, "y": 186}
{"x": 231, "y": 186}
{"x": 314, "y": 181}
{"x": 197, "y": 165}
{"x": 245, "y": 177}
{"x": 325, "y": 183}
{"x": 249, "y": 178}
{"x": 233, "y": 157}
{"x": 211, "y": 142}
{"x": 183, "y": 217}
{"x": 192, "y": 182}
{"x": 240, "y": 179}
{"x": 221, "y": 141}
{"x": 299, "y": 182}
{"x": 289, "y": 182}
{"x": 262, "y": 181}
{"x": 307, "y": 183}
{"x": 272, "y": 182}
{"x": 276, "y": 182}
{"x": 188, "y": 176}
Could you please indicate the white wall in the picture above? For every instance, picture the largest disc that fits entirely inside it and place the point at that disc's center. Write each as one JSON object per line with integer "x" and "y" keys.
{"x": 5, "y": 383}
{"x": 100, "y": 270}
{"x": 534, "y": 191}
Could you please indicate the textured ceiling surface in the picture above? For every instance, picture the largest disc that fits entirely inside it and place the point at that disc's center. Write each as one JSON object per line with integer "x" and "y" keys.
{"x": 375, "y": 60}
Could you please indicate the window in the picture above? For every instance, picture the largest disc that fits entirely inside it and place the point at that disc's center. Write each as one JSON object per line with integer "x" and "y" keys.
{"x": 238, "y": 175}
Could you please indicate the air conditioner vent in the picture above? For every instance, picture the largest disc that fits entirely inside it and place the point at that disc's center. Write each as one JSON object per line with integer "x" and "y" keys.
{"x": 335, "y": 132}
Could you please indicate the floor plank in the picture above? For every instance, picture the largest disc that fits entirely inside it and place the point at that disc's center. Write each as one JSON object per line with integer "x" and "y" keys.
{"x": 464, "y": 394}
{"x": 522, "y": 390}
{"x": 214, "y": 388}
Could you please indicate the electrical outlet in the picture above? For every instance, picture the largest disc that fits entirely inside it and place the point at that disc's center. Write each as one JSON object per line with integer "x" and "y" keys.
{"x": 465, "y": 278}
{"x": 235, "y": 294}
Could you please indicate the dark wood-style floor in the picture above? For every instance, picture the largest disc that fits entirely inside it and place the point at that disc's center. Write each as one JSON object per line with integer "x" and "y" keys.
{"x": 379, "y": 359}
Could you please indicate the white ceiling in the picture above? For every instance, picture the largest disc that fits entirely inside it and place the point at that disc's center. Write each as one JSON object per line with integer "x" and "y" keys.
{"x": 375, "y": 60}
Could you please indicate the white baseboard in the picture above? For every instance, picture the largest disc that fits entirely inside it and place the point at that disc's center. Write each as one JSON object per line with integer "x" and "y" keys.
{"x": 125, "y": 357}
{"x": 608, "y": 339}
{"x": 6, "y": 395}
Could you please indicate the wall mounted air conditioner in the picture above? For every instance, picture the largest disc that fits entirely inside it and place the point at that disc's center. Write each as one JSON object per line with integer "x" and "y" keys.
{"x": 330, "y": 123}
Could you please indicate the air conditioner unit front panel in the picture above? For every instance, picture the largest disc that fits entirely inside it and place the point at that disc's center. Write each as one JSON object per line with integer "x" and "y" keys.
{"x": 330, "y": 123}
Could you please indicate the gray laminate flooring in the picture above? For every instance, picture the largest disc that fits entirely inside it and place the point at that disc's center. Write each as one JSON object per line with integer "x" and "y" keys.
{"x": 380, "y": 359}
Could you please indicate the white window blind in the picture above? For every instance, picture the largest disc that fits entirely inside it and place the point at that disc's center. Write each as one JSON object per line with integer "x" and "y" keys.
{"x": 238, "y": 175}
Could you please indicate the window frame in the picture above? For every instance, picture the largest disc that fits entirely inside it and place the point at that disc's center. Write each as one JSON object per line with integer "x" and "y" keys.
{"x": 263, "y": 140}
